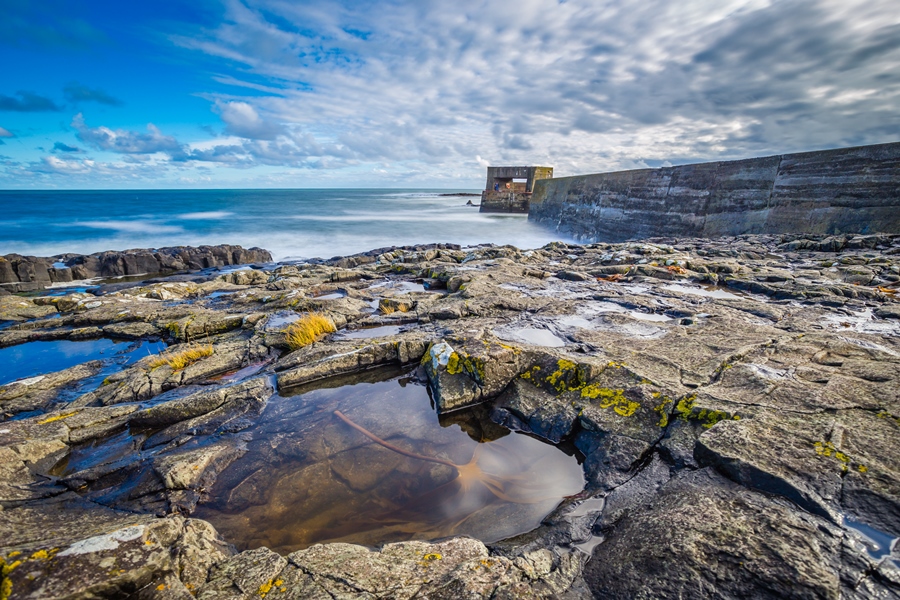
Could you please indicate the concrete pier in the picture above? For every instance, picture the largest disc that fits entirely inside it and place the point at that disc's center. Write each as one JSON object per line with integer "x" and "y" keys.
{"x": 845, "y": 190}
{"x": 509, "y": 189}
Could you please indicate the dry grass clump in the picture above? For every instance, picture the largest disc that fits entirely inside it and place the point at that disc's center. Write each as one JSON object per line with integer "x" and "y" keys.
{"x": 306, "y": 329}
{"x": 179, "y": 359}
{"x": 389, "y": 306}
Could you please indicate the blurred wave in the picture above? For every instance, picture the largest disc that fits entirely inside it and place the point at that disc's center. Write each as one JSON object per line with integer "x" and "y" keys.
{"x": 289, "y": 223}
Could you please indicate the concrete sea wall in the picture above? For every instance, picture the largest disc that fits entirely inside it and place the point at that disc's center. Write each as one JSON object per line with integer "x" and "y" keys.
{"x": 504, "y": 202}
{"x": 846, "y": 190}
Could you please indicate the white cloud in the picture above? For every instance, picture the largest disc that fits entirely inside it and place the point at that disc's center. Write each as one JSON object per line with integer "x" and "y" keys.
{"x": 242, "y": 120}
{"x": 124, "y": 141}
{"x": 580, "y": 85}
{"x": 60, "y": 165}
{"x": 339, "y": 92}
{"x": 5, "y": 133}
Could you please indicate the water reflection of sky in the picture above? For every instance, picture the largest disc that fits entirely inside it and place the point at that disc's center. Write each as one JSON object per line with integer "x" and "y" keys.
{"x": 309, "y": 477}
{"x": 37, "y": 358}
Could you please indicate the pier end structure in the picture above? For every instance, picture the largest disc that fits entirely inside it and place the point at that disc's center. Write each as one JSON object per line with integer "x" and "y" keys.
{"x": 509, "y": 189}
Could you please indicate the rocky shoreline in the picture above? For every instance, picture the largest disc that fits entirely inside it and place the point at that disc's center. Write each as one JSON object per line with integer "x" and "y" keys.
{"x": 734, "y": 403}
{"x": 30, "y": 273}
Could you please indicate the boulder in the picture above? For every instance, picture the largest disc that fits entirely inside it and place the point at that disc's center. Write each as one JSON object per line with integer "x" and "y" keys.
{"x": 471, "y": 372}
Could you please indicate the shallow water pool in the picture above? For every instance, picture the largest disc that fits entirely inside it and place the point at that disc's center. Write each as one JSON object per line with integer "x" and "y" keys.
{"x": 38, "y": 358}
{"x": 310, "y": 477}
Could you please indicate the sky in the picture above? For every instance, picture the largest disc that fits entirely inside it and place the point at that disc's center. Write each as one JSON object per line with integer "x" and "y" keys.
{"x": 427, "y": 93}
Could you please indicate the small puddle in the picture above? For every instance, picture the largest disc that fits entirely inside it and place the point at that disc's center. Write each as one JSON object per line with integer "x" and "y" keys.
{"x": 399, "y": 286}
{"x": 652, "y": 317}
{"x": 220, "y": 293}
{"x": 531, "y": 335}
{"x": 337, "y": 295}
{"x": 309, "y": 477}
{"x": 38, "y": 358}
{"x": 602, "y": 306}
{"x": 368, "y": 332}
{"x": 863, "y": 321}
{"x": 573, "y": 322}
{"x": 239, "y": 374}
{"x": 591, "y": 505}
{"x": 711, "y": 292}
{"x": 588, "y": 545}
{"x": 232, "y": 269}
{"x": 121, "y": 446}
{"x": 280, "y": 320}
{"x": 878, "y": 543}
{"x": 65, "y": 291}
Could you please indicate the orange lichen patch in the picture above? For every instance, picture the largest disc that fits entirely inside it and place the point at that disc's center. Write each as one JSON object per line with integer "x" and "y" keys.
{"x": 305, "y": 330}
{"x": 180, "y": 359}
{"x": 613, "y": 277}
{"x": 676, "y": 269}
{"x": 886, "y": 290}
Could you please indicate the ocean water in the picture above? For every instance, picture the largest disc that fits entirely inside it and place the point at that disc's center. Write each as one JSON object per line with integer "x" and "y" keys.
{"x": 291, "y": 224}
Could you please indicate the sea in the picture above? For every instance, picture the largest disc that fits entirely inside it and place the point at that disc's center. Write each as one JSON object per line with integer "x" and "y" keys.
{"x": 292, "y": 224}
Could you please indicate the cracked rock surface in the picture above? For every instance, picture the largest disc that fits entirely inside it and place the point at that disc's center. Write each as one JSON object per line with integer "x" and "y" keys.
{"x": 734, "y": 403}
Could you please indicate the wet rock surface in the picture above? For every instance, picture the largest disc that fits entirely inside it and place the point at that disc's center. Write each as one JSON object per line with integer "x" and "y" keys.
{"x": 28, "y": 273}
{"x": 734, "y": 402}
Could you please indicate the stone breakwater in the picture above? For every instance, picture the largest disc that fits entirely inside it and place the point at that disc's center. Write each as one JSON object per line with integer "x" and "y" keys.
{"x": 734, "y": 402}
{"x": 846, "y": 190}
{"x": 28, "y": 273}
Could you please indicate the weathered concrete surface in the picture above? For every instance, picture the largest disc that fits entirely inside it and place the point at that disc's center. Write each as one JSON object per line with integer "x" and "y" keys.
{"x": 504, "y": 202}
{"x": 511, "y": 196}
{"x": 846, "y": 190}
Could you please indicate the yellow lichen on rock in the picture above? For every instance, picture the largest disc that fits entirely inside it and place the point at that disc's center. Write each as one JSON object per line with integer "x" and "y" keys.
{"x": 265, "y": 589}
{"x": 57, "y": 417}
{"x": 611, "y": 398}
{"x": 827, "y": 450}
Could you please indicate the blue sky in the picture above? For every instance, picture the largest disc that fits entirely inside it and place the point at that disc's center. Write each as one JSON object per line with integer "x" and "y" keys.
{"x": 279, "y": 93}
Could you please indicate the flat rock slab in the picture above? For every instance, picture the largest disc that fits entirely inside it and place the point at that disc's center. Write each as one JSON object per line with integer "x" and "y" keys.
{"x": 734, "y": 403}
{"x": 84, "y": 550}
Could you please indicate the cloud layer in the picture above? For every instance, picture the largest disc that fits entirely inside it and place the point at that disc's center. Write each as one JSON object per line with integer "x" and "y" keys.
{"x": 364, "y": 93}
{"x": 27, "y": 102}
{"x": 76, "y": 93}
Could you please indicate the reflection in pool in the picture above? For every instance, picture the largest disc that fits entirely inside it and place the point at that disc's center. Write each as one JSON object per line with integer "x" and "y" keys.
{"x": 708, "y": 291}
{"x": 368, "y": 332}
{"x": 35, "y": 358}
{"x": 309, "y": 476}
{"x": 532, "y": 335}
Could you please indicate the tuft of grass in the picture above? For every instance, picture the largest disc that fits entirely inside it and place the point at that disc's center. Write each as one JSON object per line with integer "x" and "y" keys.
{"x": 181, "y": 358}
{"x": 306, "y": 329}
